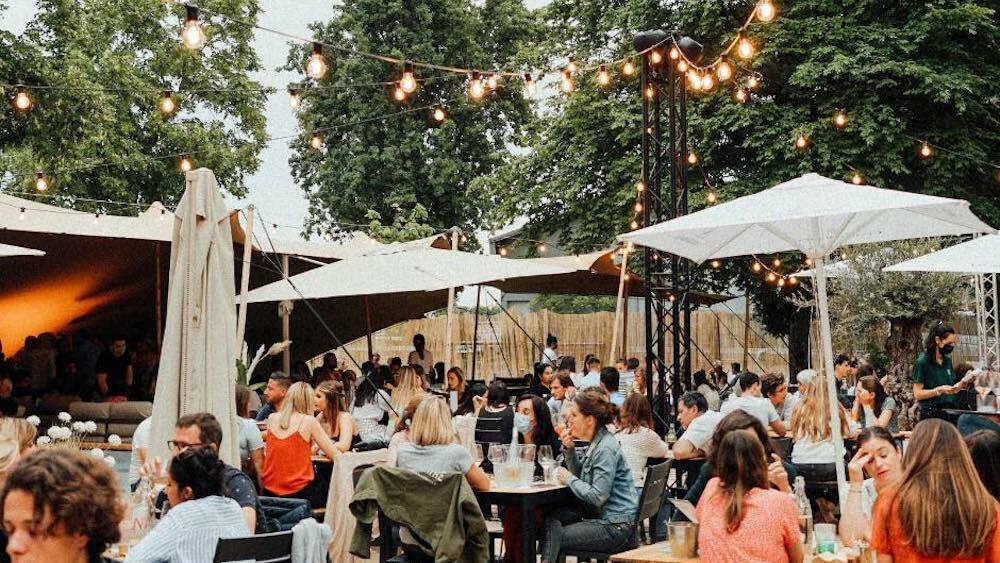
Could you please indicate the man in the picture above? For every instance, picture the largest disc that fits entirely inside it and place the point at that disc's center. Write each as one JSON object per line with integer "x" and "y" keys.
{"x": 609, "y": 383}
{"x": 330, "y": 361}
{"x": 549, "y": 354}
{"x": 774, "y": 388}
{"x": 751, "y": 402}
{"x": 698, "y": 423}
{"x": 734, "y": 375}
{"x": 542, "y": 387}
{"x": 592, "y": 377}
{"x": 845, "y": 368}
{"x": 85, "y": 354}
{"x": 274, "y": 394}
{"x": 114, "y": 371}
{"x": 376, "y": 361}
{"x": 395, "y": 364}
{"x": 140, "y": 448}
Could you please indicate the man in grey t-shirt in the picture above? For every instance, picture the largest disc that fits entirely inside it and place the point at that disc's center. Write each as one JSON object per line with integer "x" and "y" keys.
{"x": 699, "y": 424}
{"x": 751, "y": 402}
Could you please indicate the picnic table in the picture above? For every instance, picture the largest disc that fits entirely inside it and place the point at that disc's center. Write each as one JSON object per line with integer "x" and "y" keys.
{"x": 526, "y": 499}
{"x": 653, "y": 553}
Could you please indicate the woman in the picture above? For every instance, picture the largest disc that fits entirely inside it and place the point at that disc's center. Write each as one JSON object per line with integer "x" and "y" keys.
{"x": 638, "y": 440}
{"x": 939, "y": 510}
{"x": 562, "y": 393}
{"x": 567, "y": 366}
{"x": 288, "y": 469}
{"x": 349, "y": 380}
{"x": 200, "y": 513}
{"x": 740, "y": 519}
{"x": 707, "y": 389}
{"x": 463, "y": 397}
{"x": 605, "y": 502}
{"x": 421, "y": 356}
{"x": 879, "y": 455}
{"x": 60, "y": 506}
{"x": 409, "y": 385}
{"x": 984, "y": 448}
{"x": 872, "y": 407}
{"x": 434, "y": 447}
{"x": 370, "y": 408}
{"x": 495, "y": 422}
{"x": 333, "y": 416}
{"x": 251, "y": 443}
{"x": 813, "y": 453}
{"x": 934, "y": 381}
{"x": 402, "y": 435}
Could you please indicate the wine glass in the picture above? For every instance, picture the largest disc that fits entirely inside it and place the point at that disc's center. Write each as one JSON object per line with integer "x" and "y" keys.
{"x": 498, "y": 454}
{"x": 545, "y": 454}
{"x": 477, "y": 453}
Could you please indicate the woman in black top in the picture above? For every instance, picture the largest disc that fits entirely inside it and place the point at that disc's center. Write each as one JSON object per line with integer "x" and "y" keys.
{"x": 495, "y": 422}
{"x": 533, "y": 422}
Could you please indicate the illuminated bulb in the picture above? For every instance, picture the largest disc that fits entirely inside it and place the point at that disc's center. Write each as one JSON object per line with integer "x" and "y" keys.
{"x": 476, "y": 88}
{"x": 740, "y": 96}
{"x": 839, "y": 119}
{"x": 541, "y": 247}
{"x": 781, "y": 282}
{"x": 22, "y": 101}
{"x": 777, "y": 262}
{"x": 744, "y": 48}
{"x": 655, "y": 57}
{"x": 634, "y": 225}
{"x": 167, "y": 103}
{"x": 793, "y": 281}
{"x": 316, "y": 65}
{"x": 566, "y": 85}
{"x": 724, "y": 70}
{"x": 20, "y": 216}
{"x": 765, "y": 11}
{"x": 529, "y": 86}
{"x": 294, "y": 99}
{"x": 716, "y": 264}
{"x": 707, "y": 82}
{"x": 692, "y": 158}
{"x": 492, "y": 81}
{"x": 398, "y": 94}
{"x": 843, "y": 256}
{"x": 408, "y": 82}
{"x": 192, "y": 35}
{"x": 674, "y": 53}
{"x": 439, "y": 114}
{"x": 856, "y": 179}
{"x": 801, "y": 142}
{"x": 753, "y": 83}
{"x": 316, "y": 141}
{"x": 628, "y": 69}
{"x": 571, "y": 65}
{"x": 630, "y": 246}
{"x": 711, "y": 197}
{"x": 650, "y": 92}
{"x": 682, "y": 66}
{"x": 809, "y": 261}
{"x": 185, "y": 164}
{"x": 656, "y": 256}
{"x": 503, "y": 251}
{"x": 41, "y": 184}
{"x": 638, "y": 207}
{"x": 639, "y": 187}
{"x": 756, "y": 267}
{"x": 771, "y": 277}
{"x": 925, "y": 150}
{"x": 603, "y": 77}
{"x": 694, "y": 80}
{"x": 627, "y": 277}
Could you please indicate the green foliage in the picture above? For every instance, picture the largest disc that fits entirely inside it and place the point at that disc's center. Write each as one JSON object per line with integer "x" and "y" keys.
{"x": 391, "y": 164}
{"x": 572, "y": 304}
{"x": 132, "y": 49}
{"x": 404, "y": 227}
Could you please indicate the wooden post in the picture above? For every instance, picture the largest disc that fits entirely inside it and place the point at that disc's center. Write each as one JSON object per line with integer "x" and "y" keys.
{"x": 448, "y": 349}
{"x": 618, "y": 307}
{"x": 241, "y": 318}
{"x": 368, "y": 326}
{"x": 625, "y": 327}
{"x": 475, "y": 332}
{"x": 746, "y": 331}
{"x": 159, "y": 295}
{"x": 286, "y": 329}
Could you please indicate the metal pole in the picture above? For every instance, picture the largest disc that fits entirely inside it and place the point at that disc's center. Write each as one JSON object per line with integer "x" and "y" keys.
{"x": 159, "y": 295}
{"x": 448, "y": 351}
{"x": 241, "y": 318}
{"x": 647, "y": 253}
{"x": 827, "y": 346}
{"x": 286, "y": 329}
{"x": 746, "y": 331}
{"x": 475, "y": 333}
{"x": 368, "y": 327}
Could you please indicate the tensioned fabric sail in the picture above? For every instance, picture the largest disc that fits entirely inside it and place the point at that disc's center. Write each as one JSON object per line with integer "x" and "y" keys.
{"x": 8, "y": 250}
{"x": 977, "y": 256}
{"x": 813, "y": 215}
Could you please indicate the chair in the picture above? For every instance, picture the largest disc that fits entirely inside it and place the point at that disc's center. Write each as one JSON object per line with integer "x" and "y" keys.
{"x": 262, "y": 548}
{"x": 649, "y": 505}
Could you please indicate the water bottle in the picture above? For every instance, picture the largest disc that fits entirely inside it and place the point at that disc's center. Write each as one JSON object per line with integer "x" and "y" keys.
{"x": 805, "y": 514}
{"x": 671, "y": 435}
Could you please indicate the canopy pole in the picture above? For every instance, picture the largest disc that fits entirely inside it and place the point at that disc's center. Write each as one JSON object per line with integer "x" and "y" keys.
{"x": 159, "y": 295}
{"x": 618, "y": 307}
{"x": 625, "y": 327}
{"x": 241, "y": 318}
{"x": 475, "y": 332}
{"x": 368, "y": 326}
{"x": 746, "y": 331}
{"x": 827, "y": 345}
{"x": 286, "y": 328}
{"x": 448, "y": 351}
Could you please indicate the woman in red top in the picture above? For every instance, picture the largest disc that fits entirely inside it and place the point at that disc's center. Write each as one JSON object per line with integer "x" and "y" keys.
{"x": 288, "y": 469}
{"x": 939, "y": 511}
{"x": 740, "y": 518}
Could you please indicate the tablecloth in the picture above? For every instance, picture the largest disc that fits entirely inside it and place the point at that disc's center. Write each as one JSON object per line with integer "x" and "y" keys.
{"x": 338, "y": 513}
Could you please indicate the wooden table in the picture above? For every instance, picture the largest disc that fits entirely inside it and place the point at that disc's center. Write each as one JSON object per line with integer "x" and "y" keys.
{"x": 526, "y": 499}
{"x": 655, "y": 553}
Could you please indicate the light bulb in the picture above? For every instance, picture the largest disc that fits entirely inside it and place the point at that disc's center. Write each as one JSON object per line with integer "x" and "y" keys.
{"x": 925, "y": 150}
{"x": 167, "y": 103}
{"x": 707, "y": 82}
{"x": 771, "y": 277}
{"x": 839, "y": 119}
{"x": 801, "y": 142}
{"x": 22, "y": 101}
{"x": 476, "y": 88}
{"x": 192, "y": 35}
{"x": 682, "y": 66}
{"x": 843, "y": 256}
{"x": 316, "y": 141}
{"x": 674, "y": 53}
{"x": 41, "y": 184}
{"x": 724, "y": 70}
{"x": 655, "y": 57}
{"x": 793, "y": 281}
{"x": 715, "y": 264}
{"x": 571, "y": 65}
{"x": 398, "y": 94}
{"x": 638, "y": 207}
{"x": 640, "y": 187}
{"x": 439, "y": 114}
{"x": 809, "y": 261}
{"x": 503, "y": 251}
{"x": 634, "y": 225}
{"x": 20, "y": 216}
{"x": 529, "y": 86}
{"x": 711, "y": 197}
{"x": 756, "y": 266}
{"x": 492, "y": 81}
{"x": 650, "y": 92}
{"x": 628, "y": 69}
{"x": 566, "y": 85}
{"x": 744, "y": 48}
{"x": 407, "y": 82}
{"x": 603, "y": 77}
{"x": 777, "y": 262}
{"x": 185, "y": 164}
{"x": 316, "y": 65}
{"x": 692, "y": 158}
{"x": 856, "y": 179}
{"x": 740, "y": 95}
{"x": 294, "y": 99}
{"x": 766, "y": 11}
{"x": 541, "y": 247}
{"x": 781, "y": 282}
{"x": 753, "y": 82}
{"x": 693, "y": 80}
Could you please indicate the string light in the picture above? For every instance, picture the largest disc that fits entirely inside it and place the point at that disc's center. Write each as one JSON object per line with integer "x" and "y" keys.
{"x": 925, "y": 150}
{"x": 693, "y": 80}
{"x": 192, "y": 35}
{"x": 675, "y": 53}
{"x": 781, "y": 282}
{"x": 439, "y": 114}
{"x": 603, "y": 77}
{"x": 707, "y": 82}
{"x": 638, "y": 207}
{"x": 753, "y": 82}
{"x": 294, "y": 100}
{"x": 771, "y": 277}
{"x": 185, "y": 164}
{"x": 634, "y": 225}
{"x": 316, "y": 141}
{"x": 682, "y": 66}
{"x": 655, "y": 57}
{"x": 711, "y": 198}
{"x": 529, "y": 86}
{"x": 692, "y": 158}
{"x": 856, "y": 179}
{"x": 650, "y": 92}
{"x": 640, "y": 187}
{"x": 41, "y": 184}
{"x": 398, "y": 94}
{"x": 503, "y": 251}
{"x": 756, "y": 267}
{"x": 766, "y": 11}
{"x": 744, "y": 48}
{"x": 541, "y": 247}
{"x": 316, "y": 65}
{"x": 167, "y": 103}
{"x": 571, "y": 65}
{"x": 628, "y": 69}
{"x": 840, "y": 119}
{"x": 843, "y": 255}
{"x": 740, "y": 96}
{"x": 476, "y": 88}
{"x": 566, "y": 85}
{"x": 777, "y": 262}
{"x": 492, "y": 81}
{"x": 793, "y": 281}
{"x": 408, "y": 83}
{"x": 22, "y": 101}
{"x": 723, "y": 70}
{"x": 715, "y": 264}
{"x": 801, "y": 142}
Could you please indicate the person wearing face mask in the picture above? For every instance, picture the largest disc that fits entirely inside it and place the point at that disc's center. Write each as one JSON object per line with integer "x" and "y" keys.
{"x": 934, "y": 380}
{"x": 879, "y": 456}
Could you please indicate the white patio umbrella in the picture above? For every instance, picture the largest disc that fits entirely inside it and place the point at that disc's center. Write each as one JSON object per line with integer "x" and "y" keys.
{"x": 197, "y": 372}
{"x": 977, "y": 256}
{"x": 813, "y": 215}
{"x": 7, "y": 250}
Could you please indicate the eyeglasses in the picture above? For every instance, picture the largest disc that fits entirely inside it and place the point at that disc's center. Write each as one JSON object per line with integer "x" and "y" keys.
{"x": 175, "y": 445}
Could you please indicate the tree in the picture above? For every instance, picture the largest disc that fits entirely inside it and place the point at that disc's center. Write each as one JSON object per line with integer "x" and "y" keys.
{"x": 107, "y": 63}
{"x": 388, "y": 158}
{"x": 866, "y": 299}
{"x": 573, "y": 304}
{"x": 404, "y": 227}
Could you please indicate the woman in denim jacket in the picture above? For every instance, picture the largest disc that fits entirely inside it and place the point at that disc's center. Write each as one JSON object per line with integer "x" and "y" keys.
{"x": 606, "y": 501}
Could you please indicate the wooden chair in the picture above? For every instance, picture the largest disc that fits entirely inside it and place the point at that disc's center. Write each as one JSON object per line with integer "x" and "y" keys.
{"x": 649, "y": 505}
{"x": 262, "y": 548}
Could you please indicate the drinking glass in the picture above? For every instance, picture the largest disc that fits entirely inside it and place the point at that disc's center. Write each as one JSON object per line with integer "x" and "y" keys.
{"x": 545, "y": 454}
{"x": 525, "y": 456}
{"x": 497, "y": 455}
{"x": 477, "y": 453}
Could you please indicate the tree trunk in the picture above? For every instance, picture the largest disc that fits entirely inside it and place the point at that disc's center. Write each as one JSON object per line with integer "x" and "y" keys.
{"x": 798, "y": 342}
{"x": 902, "y": 346}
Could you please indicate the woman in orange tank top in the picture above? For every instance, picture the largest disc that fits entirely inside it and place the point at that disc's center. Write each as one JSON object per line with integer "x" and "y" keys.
{"x": 288, "y": 470}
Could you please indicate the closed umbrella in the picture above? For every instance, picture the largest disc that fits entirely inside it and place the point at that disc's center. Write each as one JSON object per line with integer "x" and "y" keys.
{"x": 197, "y": 372}
{"x": 813, "y": 215}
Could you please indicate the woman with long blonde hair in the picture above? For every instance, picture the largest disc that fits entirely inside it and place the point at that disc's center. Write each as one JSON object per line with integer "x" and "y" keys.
{"x": 408, "y": 386}
{"x": 814, "y": 454}
{"x": 288, "y": 470}
{"x": 17, "y": 436}
{"x": 939, "y": 510}
{"x": 331, "y": 403}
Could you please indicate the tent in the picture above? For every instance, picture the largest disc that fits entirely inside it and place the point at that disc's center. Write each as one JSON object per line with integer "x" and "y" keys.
{"x": 8, "y": 250}
{"x": 813, "y": 215}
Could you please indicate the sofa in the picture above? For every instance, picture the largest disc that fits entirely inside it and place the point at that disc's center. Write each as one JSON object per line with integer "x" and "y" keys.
{"x": 112, "y": 418}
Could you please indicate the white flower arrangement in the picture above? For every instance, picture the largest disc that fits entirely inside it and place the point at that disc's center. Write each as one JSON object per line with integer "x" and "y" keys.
{"x": 34, "y": 420}
{"x": 115, "y": 440}
{"x": 90, "y": 426}
{"x": 79, "y": 427}
{"x": 64, "y": 417}
{"x": 110, "y": 461}
{"x": 71, "y": 434}
{"x": 43, "y": 440}
{"x": 97, "y": 452}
